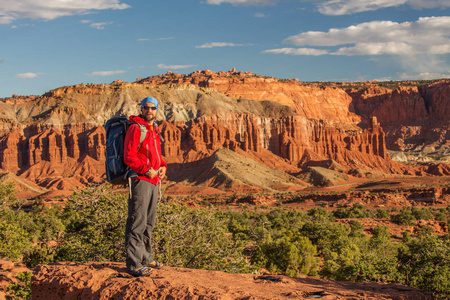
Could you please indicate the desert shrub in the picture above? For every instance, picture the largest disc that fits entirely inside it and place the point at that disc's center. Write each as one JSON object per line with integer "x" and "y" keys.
{"x": 356, "y": 229}
{"x": 422, "y": 213}
{"x": 404, "y": 217}
{"x": 196, "y": 238}
{"x": 22, "y": 289}
{"x": 46, "y": 224}
{"x": 339, "y": 263}
{"x": 408, "y": 214}
{"x": 357, "y": 211}
{"x": 95, "y": 223}
{"x": 40, "y": 254}
{"x": 362, "y": 259}
{"x": 440, "y": 215}
{"x": 382, "y": 214}
{"x": 286, "y": 256}
{"x": 7, "y": 196}
{"x": 20, "y": 229}
{"x": 325, "y": 234}
{"x": 319, "y": 213}
{"x": 425, "y": 263}
{"x": 14, "y": 240}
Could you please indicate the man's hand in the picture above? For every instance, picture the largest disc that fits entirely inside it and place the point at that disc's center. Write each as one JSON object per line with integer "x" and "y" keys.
{"x": 151, "y": 173}
{"x": 162, "y": 172}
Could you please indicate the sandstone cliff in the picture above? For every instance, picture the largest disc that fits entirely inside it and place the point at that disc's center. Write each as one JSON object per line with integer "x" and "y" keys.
{"x": 57, "y": 140}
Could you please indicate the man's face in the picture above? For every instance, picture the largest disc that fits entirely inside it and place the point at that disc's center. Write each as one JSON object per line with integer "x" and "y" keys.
{"x": 149, "y": 112}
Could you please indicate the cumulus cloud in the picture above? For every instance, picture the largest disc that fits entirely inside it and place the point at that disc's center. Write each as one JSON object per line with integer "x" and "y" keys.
{"x": 12, "y": 10}
{"x": 429, "y": 3}
{"x": 242, "y": 2}
{"x": 297, "y": 51}
{"x": 28, "y": 75}
{"x": 219, "y": 44}
{"x": 425, "y": 36}
{"x": 174, "y": 67}
{"x": 106, "y": 73}
{"x": 422, "y": 76}
{"x": 100, "y": 25}
{"x": 344, "y": 7}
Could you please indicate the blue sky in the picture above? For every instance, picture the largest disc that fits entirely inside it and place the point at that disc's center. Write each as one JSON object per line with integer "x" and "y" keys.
{"x": 45, "y": 44}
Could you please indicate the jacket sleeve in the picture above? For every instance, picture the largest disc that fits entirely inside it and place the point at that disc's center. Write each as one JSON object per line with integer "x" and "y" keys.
{"x": 130, "y": 155}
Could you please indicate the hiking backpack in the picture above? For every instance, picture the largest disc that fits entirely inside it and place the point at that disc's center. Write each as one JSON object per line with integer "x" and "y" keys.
{"x": 117, "y": 172}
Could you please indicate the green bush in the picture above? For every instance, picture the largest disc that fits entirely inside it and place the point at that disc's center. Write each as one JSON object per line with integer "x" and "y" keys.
{"x": 95, "y": 224}
{"x": 288, "y": 257}
{"x": 357, "y": 211}
{"x": 410, "y": 213}
{"x": 196, "y": 238}
{"x": 22, "y": 289}
{"x": 14, "y": 240}
{"x": 382, "y": 214}
{"x": 425, "y": 263}
{"x": 40, "y": 254}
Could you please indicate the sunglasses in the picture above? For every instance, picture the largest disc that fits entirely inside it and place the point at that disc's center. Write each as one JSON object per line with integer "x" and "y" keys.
{"x": 150, "y": 107}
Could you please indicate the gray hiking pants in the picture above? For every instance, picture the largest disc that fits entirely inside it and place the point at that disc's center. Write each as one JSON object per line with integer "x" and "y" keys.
{"x": 140, "y": 223}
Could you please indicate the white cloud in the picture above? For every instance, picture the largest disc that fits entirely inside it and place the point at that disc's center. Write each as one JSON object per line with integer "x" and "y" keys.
{"x": 28, "y": 75}
{"x": 344, "y": 7}
{"x": 259, "y": 15}
{"x": 106, "y": 73}
{"x": 11, "y": 10}
{"x": 100, "y": 25}
{"x": 429, "y": 3}
{"x": 416, "y": 46}
{"x": 242, "y": 2}
{"x": 157, "y": 39}
{"x": 297, "y": 51}
{"x": 219, "y": 44}
{"x": 422, "y": 76}
{"x": 425, "y": 36}
{"x": 174, "y": 67}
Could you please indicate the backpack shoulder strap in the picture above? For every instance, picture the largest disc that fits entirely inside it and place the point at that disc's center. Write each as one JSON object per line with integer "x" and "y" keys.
{"x": 143, "y": 134}
{"x": 144, "y": 131}
{"x": 157, "y": 131}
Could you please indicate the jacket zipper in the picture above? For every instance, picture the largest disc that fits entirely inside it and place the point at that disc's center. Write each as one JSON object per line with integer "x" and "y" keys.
{"x": 156, "y": 149}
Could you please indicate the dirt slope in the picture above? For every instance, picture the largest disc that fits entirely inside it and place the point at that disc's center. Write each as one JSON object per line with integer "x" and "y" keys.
{"x": 228, "y": 170}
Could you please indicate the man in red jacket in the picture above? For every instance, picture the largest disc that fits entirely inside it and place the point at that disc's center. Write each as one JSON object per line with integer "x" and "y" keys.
{"x": 144, "y": 159}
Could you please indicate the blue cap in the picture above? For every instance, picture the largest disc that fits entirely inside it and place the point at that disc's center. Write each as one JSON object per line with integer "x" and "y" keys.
{"x": 149, "y": 100}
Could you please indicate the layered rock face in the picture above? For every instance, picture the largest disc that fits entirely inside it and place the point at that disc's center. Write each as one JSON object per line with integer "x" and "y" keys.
{"x": 58, "y": 140}
{"x": 412, "y": 117}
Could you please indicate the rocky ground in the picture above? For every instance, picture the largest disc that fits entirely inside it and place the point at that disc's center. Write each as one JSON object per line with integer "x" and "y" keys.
{"x": 110, "y": 281}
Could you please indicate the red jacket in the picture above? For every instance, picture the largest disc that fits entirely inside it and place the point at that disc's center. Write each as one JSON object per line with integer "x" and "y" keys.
{"x": 149, "y": 154}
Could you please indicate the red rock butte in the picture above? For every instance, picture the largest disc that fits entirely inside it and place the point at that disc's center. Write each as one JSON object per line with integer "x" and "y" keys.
{"x": 57, "y": 141}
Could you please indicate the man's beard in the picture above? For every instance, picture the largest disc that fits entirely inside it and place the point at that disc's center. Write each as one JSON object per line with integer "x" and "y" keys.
{"x": 148, "y": 118}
